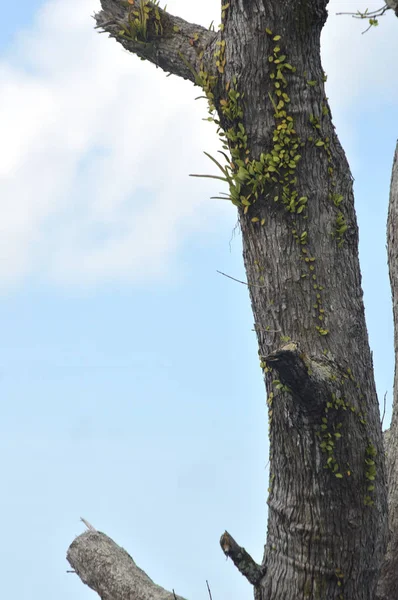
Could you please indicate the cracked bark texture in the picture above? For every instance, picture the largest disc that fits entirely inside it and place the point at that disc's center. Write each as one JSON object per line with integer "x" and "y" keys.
{"x": 110, "y": 571}
{"x": 388, "y": 587}
{"x": 327, "y": 531}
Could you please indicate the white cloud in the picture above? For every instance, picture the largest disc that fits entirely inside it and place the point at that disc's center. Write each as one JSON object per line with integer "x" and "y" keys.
{"x": 97, "y": 146}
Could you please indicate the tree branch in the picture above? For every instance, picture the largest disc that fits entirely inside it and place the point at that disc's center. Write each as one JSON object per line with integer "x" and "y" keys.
{"x": 110, "y": 571}
{"x": 169, "y": 42}
{"x": 241, "y": 559}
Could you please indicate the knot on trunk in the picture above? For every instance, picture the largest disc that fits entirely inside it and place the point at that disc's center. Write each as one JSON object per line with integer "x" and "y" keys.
{"x": 307, "y": 378}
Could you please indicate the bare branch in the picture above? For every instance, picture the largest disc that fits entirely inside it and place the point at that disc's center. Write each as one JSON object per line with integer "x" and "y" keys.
{"x": 367, "y": 13}
{"x": 169, "y": 42}
{"x": 241, "y": 559}
{"x": 384, "y": 409}
{"x": 110, "y": 571}
{"x": 371, "y": 15}
{"x": 208, "y": 589}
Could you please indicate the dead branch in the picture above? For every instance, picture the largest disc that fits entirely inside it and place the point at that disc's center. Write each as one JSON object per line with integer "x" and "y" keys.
{"x": 241, "y": 559}
{"x": 110, "y": 571}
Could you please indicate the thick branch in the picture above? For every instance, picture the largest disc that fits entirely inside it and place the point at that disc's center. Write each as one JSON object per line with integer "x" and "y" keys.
{"x": 169, "y": 42}
{"x": 108, "y": 570}
{"x": 241, "y": 559}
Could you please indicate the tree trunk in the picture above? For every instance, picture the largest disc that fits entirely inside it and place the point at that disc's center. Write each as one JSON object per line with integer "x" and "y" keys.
{"x": 289, "y": 178}
{"x": 388, "y": 587}
{"x": 327, "y": 502}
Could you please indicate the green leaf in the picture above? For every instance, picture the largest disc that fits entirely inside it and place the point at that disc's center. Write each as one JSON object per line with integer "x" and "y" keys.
{"x": 217, "y": 163}
{"x": 242, "y": 174}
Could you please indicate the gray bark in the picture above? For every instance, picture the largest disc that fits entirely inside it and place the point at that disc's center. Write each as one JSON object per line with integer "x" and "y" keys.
{"x": 175, "y": 48}
{"x": 110, "y": 571}
{"x": 394, "y": 5}
{"x": 327, "y": 523}
{"x": 388, "y": 588}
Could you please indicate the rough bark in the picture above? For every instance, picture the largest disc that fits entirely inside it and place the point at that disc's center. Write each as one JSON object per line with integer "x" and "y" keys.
{"x": 108, "y": 570}
{"x": 289, "y": 178}
{"x": 323, "y": 536}
{"x": 175, "y": 46}
{"x": 388, "y": 588}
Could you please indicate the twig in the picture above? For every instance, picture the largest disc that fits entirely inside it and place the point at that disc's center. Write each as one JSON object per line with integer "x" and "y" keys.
{"x": 384, "y": 409}
{"x": 88, "y": 525}
{"x": 208, "y": 589}
{"x": 373, "y": 13}
{"x": 243, "y": 282}
{"x": 368, "y": 15}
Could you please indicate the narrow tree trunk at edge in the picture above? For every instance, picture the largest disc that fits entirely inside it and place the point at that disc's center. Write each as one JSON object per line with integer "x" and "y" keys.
{"x": 388, "y": 585}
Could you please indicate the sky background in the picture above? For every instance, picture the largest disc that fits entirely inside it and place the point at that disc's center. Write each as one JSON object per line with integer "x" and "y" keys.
{"x": 130, "y": 388}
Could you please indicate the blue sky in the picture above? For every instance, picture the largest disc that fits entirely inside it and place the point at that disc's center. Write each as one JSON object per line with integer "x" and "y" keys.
{"x": 131, "y": 392}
